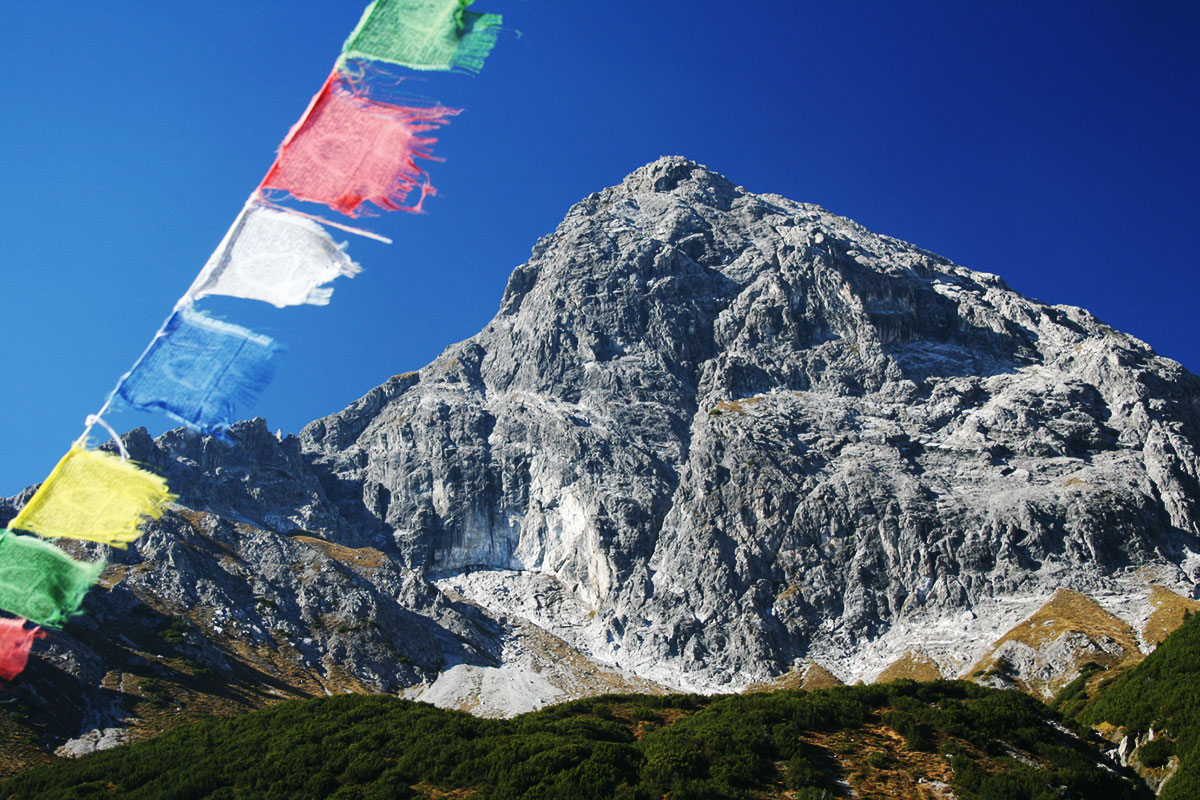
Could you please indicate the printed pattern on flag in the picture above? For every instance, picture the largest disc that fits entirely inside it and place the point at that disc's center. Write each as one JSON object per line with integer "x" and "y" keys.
{"x": 40, "y": 582}
{"x": 15, "y": 641}
{"x": 276, "y": 257}
{"x": 348, "y": 150}
{"x": 424, "y": 34}
{"x": 200, "y": 371}
{"x": 94, "y": 496}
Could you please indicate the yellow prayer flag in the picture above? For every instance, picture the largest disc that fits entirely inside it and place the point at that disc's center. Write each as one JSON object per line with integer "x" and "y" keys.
{"x": 94, "y": 496}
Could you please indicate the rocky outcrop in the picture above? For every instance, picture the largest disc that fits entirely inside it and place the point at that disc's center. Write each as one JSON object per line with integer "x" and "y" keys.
{"x": 1047, "y": 651}
{"x": 710, "y": 436}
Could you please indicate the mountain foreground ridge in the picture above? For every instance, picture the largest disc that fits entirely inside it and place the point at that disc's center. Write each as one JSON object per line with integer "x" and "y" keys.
{"x": 711, "y": 440}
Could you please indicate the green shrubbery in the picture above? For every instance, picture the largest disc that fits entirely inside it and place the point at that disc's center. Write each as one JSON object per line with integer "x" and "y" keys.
{"x": 639, "y": 747}
{"x": 1163, "y": 693}
{"x": 1071, "y": 700}
{"x": 690, "y": 747}
{"x": 174, "y": 631}
{"x": 1156, "y": 752}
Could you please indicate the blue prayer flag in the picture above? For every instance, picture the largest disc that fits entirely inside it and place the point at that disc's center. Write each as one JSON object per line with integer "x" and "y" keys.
{"x": 200, "y": 370}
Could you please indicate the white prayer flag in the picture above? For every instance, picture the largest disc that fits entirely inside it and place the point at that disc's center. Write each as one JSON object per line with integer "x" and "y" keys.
{"x": 276, "y": 257}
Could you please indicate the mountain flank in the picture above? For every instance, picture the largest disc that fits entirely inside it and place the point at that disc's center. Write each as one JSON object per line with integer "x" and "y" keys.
{"x": 712, "y": 440}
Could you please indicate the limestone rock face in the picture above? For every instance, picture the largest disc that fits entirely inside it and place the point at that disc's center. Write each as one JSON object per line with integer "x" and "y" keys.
{"x": 739, "y": 430}
{"x": 709, "y": 436}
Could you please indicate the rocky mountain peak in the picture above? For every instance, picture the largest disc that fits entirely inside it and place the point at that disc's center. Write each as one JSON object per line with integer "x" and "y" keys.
{"x": 731, "y": 426}
{"x": 710, "y": 438}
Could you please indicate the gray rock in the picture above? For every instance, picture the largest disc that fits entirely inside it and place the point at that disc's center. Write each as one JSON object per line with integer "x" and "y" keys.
{"x": 739, "y": 430}
{"x": 709, "y": 435}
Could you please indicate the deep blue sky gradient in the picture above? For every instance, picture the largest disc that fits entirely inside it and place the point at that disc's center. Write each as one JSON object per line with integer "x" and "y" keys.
{"x": 1055, "y": 144}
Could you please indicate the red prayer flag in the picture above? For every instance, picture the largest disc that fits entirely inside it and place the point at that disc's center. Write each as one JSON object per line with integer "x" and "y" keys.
{"x": 15, "y": 642}
{"x": 347, "y": 150}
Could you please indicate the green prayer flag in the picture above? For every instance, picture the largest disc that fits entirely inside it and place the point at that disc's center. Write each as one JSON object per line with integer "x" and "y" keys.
{"x": 40, "y": 582}
{"x": 424, "y": 34}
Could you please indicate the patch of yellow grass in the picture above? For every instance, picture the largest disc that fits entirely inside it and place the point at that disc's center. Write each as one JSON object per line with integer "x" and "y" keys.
{"x": 1169, "y": 609}
{"x": 909, "y": 773}
{"x": 427, "y": 791}
{"x": 365, "y": 557}
{"x": 112, "y": 575}
{"x": 913, "y": 665}
{"x": 736, "y": 406}
{"x": 19, "y": 748}
{"x": 810, "y": 676}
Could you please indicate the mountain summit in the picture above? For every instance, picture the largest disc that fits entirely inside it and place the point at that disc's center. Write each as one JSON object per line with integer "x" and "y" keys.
{"x": 713, "y": 433}
{"x": 711, "y": 436}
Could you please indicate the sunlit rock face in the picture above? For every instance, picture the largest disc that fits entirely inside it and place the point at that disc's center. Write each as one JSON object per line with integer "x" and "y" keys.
{"x": 739, "y": 430}
{"x": 710, "y": 438}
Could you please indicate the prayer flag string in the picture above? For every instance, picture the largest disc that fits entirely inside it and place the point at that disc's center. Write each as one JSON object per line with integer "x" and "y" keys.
{"x": 349, "y": 148}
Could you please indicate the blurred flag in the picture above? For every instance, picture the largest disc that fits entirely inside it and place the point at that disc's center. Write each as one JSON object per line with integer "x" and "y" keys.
{"x": 347, "y": 150}
{"x": 200, "y": 371}
{"x": 424, "y": 34}
{"x": 276, "y": 257}
{"x": 15, "y": 641}
{"x": 94, "y": 496}
{"x": 40, "y": 582}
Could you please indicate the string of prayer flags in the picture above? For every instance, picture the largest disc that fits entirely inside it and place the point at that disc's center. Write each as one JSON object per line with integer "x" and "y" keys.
{"x": 276, "y": 257}
{"x": 40, "y": 582}
{"x": 424, "y": 35}
{"x": 200, "y": 370}
{"x": 95, "y": 496}
{"x": 15, "y": 642}
{"x": 348, "y": 150}
{"x": 357, "y": 143}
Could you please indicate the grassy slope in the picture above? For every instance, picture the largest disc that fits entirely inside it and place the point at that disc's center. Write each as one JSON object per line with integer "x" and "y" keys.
{"x": 880, "y": 739}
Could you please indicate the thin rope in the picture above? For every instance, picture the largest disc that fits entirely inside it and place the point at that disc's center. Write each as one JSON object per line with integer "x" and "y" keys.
{"x": 91, "y": 420}
{"x": 96, "y": 419}
{"x": 262, "y": 200}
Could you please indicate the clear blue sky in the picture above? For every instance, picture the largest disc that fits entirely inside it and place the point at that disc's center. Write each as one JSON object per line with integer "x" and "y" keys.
{"x": 1056, "y": 144}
